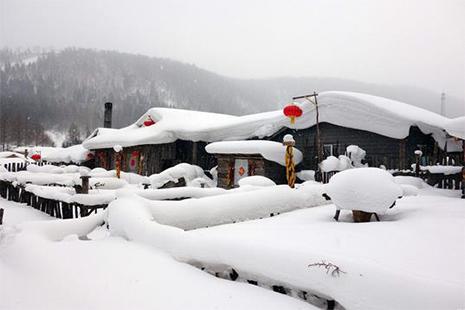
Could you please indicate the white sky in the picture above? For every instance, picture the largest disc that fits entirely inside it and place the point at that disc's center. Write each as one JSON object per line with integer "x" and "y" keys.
{"x": 413, "y": 42}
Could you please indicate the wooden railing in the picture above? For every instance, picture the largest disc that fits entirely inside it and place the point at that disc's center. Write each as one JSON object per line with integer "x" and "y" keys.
{"x": 52, "y": 207}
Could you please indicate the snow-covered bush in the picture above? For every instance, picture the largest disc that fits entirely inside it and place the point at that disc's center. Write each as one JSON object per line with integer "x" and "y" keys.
{"x": 370, "y": 190}
{"x": 356, "y": 155}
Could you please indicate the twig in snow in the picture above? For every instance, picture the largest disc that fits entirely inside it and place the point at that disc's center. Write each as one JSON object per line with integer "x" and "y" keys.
{"x": 334, "y": 270}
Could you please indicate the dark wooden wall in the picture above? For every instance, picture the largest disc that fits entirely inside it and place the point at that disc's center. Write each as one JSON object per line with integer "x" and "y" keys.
{"x": 381, "y": 150}
{"x": 158, "y": 157}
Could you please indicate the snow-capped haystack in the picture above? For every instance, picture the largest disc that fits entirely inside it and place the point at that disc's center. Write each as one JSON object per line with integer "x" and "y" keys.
{"x": 270, "y": 150}
{"x": 371, "y": 190}
{"x": 456, "y": 127}
{"x": 256, "y": 180}
{"x": 174, "y": 174}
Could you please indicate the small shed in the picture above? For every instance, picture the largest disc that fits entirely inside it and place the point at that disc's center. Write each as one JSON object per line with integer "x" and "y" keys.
{"x": 239, "y": 159}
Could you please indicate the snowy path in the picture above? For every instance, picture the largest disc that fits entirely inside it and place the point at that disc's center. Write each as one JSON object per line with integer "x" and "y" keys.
{"x": 110, "y": 273}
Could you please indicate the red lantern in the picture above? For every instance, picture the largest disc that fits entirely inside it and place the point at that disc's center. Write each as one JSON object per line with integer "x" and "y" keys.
{"x": 149, "y": 122}
{"x": 36, "y": 157}
{"x": 90, "y": 156}
{"x": 292, "y": 111}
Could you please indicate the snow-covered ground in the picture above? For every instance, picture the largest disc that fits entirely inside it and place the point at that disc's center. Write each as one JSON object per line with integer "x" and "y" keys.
{"x": 110, "y": 273}
{"x": 412, "y": 259}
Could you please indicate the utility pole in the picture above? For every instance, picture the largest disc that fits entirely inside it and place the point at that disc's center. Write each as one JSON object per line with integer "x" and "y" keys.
{"x": 319, "y": 155}
{"x": 443, "y": 104}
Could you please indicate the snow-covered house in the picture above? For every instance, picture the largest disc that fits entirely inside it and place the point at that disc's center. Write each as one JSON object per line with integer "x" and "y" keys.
{"x": 389, "y": 131}
{"x": 240, "y": 159}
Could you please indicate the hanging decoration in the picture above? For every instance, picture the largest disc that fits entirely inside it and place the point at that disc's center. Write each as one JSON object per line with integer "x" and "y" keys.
{"x": 102, "y": 160}
{"x": 118, "y": 162}
{"x": 149, "y": 121}
{"x": 134, "y": 161}
{"x": 90, "y": 156}
{"x": 36, "y": 157}
{"x": 292, "y": 111}
{"x": 289, "y": 142}
{"x": 140, "y": 164}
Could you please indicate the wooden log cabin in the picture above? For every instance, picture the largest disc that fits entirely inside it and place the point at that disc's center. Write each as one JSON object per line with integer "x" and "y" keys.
{"x": 389, "y": 131}
{"x": 240, "y": 159}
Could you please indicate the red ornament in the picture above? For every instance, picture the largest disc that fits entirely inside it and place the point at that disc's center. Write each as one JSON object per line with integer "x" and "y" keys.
{"x": 135, "y": 153}
{"x": 292, "y": 111}
{"x": 90, "y": 156}
{"x": 36, "y": 157}
{"x": 149, "y": 122}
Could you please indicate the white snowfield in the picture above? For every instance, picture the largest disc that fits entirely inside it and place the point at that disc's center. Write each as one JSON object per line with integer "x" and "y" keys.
{"x": 353, "y": 110}
{"x": 270, "y": 150}
{"x": 412, "y": 259}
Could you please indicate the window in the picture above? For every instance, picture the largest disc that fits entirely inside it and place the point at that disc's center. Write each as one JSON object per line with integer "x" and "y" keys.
{"x": 328, "y": 150}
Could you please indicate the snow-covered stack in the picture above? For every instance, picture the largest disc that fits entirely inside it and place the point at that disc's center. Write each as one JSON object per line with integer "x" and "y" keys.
{"x": 193, "y": 176}
{"x": 371, "y": 190}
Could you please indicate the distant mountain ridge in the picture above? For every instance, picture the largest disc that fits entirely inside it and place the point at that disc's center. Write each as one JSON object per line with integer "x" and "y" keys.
{"x": 59, "y": 88}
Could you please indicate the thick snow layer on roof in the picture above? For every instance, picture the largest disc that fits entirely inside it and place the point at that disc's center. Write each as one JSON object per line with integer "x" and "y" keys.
{"x": 354, "y": 110}
{"x": 273, "y": 151}
{"x": 73, "y": 154}
{"x": 456, "y": 127}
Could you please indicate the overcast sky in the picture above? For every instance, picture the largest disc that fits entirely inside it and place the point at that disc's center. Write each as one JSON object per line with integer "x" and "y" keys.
{"x": 413, "y": 42}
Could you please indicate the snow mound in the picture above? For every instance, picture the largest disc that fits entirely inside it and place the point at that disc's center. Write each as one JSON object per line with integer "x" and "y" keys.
{"x": 364, "y": 189}
{"x": 256, "y": 180}
{"x": 173, "y": 174}
{"x": 270, "y": 150}
{"x": 333, "y": 163}
{"x": 306, "y": 175}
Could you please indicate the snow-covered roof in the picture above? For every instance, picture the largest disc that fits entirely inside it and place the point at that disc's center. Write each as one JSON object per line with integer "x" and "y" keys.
{"x": 456, "y": 127}
{"x": 73, "y": 154}
{"x": 353, "y": 110}
{"x": 8, "y": 154}
{"x": 270, "y": 150}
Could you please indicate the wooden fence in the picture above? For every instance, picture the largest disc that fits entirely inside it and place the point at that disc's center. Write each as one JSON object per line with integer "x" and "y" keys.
{"x": 439, "y": 180}
{"x": 52, "y": 207}
{"x": 19, "y": 166}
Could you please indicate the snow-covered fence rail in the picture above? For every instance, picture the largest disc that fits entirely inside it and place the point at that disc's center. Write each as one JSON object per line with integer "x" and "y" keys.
{"x": 437, "y": 179}
{"x": 63, "y": 209}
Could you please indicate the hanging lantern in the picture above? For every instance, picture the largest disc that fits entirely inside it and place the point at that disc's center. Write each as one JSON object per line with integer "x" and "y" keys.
{"x": 292, "y": 111}
{"x": 36, "y": 157}
{"x": 149, "y": 122}
{"x": 90, "y": 156}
